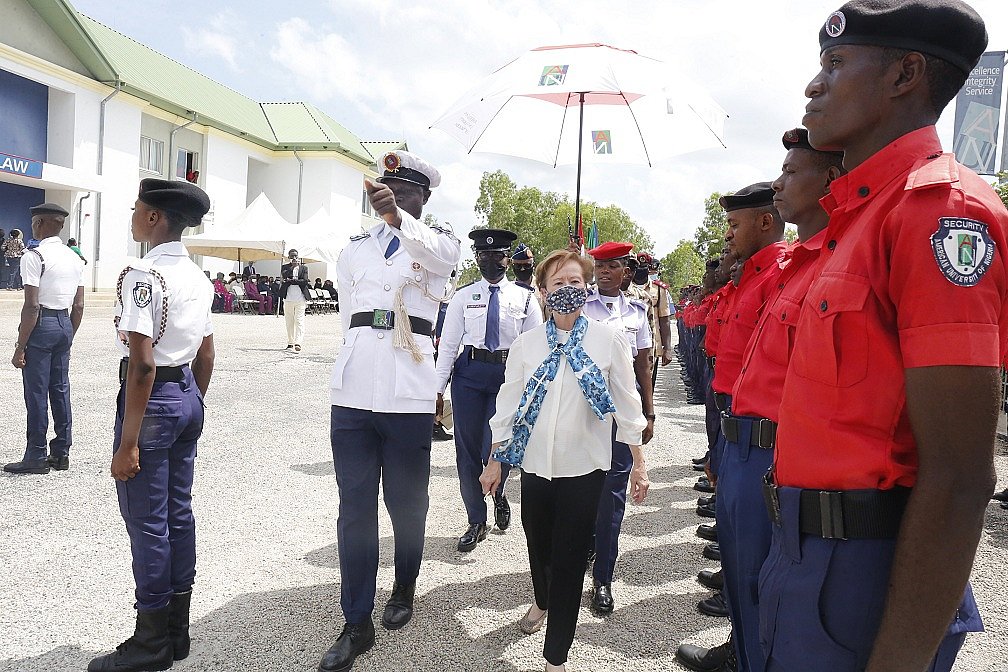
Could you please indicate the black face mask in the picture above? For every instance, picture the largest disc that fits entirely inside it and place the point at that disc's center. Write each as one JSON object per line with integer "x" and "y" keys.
{"x": 491, "y": 268}
{"x": 523, "y": 273}
{"x": 640, "y": 276}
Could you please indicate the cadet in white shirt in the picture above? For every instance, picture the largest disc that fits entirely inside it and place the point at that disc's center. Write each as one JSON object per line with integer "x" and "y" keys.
{"x": 163, "y": 329}
{"x": 609, "y": 305}
{"x": 483, "y": 318}
{"x": 391, "y": 281}
{"x": 53, "y": 307}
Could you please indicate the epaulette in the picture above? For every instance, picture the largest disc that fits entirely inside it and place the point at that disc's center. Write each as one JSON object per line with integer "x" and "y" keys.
{"x": 934, "y": 170}
{"x": 360, "y": 236}
{"x": 470, "y": 284}
{"x": 441, "y": 229}
{"x": 660, "y": 284}
{"x": 640, "y": 304}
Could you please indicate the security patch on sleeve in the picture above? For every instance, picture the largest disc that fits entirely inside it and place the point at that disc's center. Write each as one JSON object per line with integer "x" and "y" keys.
{"x": 142, "y": 294}
{"x": 963, "y": 249}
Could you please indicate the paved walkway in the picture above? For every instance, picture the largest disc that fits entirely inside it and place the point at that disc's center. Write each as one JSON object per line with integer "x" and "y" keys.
{"x": 267, "y": 593}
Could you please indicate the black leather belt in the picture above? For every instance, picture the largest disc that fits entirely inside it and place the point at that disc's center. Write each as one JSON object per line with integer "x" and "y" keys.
{"x": 162, "y": 374}
{"x": 722, "y": 401}
{"x": 762, "y": 435}
{"x": 844, "y": 514}
{"x": 491, "y": 357}
{"x": 385, "y": 319}
{"x": 53, "y": 311}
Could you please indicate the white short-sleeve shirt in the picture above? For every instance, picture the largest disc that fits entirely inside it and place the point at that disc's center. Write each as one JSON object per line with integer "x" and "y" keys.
{"x": 56, "y": 270}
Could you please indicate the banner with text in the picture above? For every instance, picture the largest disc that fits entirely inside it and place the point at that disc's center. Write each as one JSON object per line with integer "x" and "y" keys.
{"x": 978, "y": 113}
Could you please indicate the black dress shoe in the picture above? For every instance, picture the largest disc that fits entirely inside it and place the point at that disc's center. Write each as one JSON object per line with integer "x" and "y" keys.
{"x": 703, "y": 485}
{"x": 695, "y": 401}
{"x": 356, "y": 638}
{"x": 601, "y": 602}
{"x": 476, "y": 533}
{"x": 705, "y": 501}
{"x": 712, "y": 552}
{"x": 714, "y": 605}
{"x": 399, "y": 608}
{"x": 706, "y": 511}
{"x": 1001, "y": 496}
{"x": 699, "y": 460}
{"x": 698, "y": 467}
{"x": 708, "y": 532}
{"x": 502, "y": 512}
{"x": 440, "y": 434}
{"x": 59, "y": 463}
{"x": 708, "y": 578}
{"x": 719, "y": 659}
{"x": 1004, "y": 505}
{"x": 28, "y": 467}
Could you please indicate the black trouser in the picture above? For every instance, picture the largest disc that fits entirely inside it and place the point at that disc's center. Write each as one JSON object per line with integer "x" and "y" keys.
{"x": 558, "y": 527}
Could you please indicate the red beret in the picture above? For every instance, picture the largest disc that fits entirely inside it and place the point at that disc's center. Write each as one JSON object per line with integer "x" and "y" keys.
{"x": 608, "y": 251}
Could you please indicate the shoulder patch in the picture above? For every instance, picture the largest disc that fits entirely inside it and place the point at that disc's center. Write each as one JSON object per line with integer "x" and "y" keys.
{"x": 963, "y": 250}
{"x": 142, "y": 293}
{"x": 361, "y": 236}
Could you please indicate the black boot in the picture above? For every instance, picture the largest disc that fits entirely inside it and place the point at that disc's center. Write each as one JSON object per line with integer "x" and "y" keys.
{"x": 148, "y": 649}
{"x": 719, "y": 659}
{"x": 178, "y": 624}
{"x": 399, "y": 609}
{"x": 356, "y": 638}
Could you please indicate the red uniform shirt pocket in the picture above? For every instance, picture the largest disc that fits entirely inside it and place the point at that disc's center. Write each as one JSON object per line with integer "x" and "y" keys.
{"x": 778, "y": 336}
{"x": 831, "y": 345}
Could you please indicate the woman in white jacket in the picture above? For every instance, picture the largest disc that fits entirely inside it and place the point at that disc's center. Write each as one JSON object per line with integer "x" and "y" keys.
{"x": 562, "y": 383}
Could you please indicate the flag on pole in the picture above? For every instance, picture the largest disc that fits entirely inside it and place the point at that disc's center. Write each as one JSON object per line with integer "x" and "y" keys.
{"x": 593, "y": 234}
{"x": 580, "y": 234}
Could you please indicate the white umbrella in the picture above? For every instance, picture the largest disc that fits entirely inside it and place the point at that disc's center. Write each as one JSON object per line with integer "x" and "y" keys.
{"x": 594, "y": 102}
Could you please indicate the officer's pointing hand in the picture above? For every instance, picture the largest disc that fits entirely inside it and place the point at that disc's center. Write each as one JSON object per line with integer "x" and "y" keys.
{"x": 383, "y": 201}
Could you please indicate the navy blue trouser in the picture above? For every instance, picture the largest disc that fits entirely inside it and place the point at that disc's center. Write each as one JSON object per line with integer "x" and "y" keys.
{"x": 14, "y": 273}
{"x": 821, "y": 600}
{"x": 156, "y": 504}
{"x": 611, "y": 508}
{"x": 369, "y": 447}
{"x": 474, "y": 389}
{"x": 47, "y": 384}
{"x": 744, "y": 533}
{"x": 712, "y": 416}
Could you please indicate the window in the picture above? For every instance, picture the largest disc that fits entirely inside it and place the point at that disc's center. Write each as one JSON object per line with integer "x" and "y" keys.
{"x": 366, "y": 205}
{"x": 151, "y": 154}
{"x": 187, "y": 166}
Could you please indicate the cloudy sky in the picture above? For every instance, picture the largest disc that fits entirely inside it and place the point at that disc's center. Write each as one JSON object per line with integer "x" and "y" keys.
{"x": 387, "y": 70}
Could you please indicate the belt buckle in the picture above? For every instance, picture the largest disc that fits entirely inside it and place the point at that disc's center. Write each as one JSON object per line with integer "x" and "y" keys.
{"x": 766, "y": 425}
{"x": 503, "y": 356}
{"x": 771, "y": 498}
{"x": 382, "y": 319}
{"x": 831, "y": 514}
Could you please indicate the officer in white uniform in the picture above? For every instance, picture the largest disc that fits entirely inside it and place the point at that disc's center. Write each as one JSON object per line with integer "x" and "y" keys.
{"x": 164, "y": 332}
{"x": 608, "y": 304}
{"x": 53, "y": 307}
{"x": 483, "y": 319}
{"x": 391, "y": 281}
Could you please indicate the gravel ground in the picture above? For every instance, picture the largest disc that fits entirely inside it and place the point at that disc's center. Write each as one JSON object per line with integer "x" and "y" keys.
{"x": 267, "y": 593}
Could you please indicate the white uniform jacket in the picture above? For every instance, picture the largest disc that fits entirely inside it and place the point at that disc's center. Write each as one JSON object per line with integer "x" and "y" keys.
{"x": 369, "y": 373}
{"x": 465, "y": 321}
{"x": 627, "y": 315}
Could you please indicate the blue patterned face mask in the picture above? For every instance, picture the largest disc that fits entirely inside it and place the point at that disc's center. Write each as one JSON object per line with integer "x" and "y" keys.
{"x": 566, "y": 299}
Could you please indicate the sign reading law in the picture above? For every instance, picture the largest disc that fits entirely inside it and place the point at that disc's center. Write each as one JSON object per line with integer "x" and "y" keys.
{"x": 977, "y": 114}
{"x": 20, "y": 166}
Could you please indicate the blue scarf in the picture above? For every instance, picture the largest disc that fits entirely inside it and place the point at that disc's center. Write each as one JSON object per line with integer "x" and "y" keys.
{"x": 591, "y": 380}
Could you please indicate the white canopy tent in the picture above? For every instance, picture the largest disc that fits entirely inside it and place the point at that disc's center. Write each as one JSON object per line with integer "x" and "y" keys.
{"x": 323, "y": 237}
{"x": 258, "y": 233}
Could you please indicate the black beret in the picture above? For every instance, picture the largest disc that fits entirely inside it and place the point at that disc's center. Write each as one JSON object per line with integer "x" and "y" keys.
{"x": 948, "y": 29}
{"x": 522, "y": 253}
{"x": 486, "y": 240}
{"x": 182, "y": 197}
{"x": 48, "y": 209}
{"x": 757, "y": 195}
{"x": 797, "y": 138}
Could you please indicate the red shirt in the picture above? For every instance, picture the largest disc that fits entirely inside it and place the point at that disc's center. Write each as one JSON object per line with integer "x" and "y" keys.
{"x": 894, "y": 290}
{"x": 759, "y": 278}
{"x": 720, "y": 301}
{"x": 759, "y": 387}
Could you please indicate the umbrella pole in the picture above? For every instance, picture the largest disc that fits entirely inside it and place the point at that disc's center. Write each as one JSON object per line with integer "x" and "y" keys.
{"x": 577, "y": 197}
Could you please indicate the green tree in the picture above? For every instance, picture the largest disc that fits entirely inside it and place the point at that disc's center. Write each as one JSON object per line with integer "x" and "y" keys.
{"x": 790, "y": 233}
{"x": 540, "y": 218}
{"x": 709, "y": 237}
{"x": 682, "y": 266}
{"x": 1001, "y": 187}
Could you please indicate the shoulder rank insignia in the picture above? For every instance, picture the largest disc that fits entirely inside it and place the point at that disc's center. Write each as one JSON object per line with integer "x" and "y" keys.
{"x": 963, "y": 250}
{"x": 360, "y": 236}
